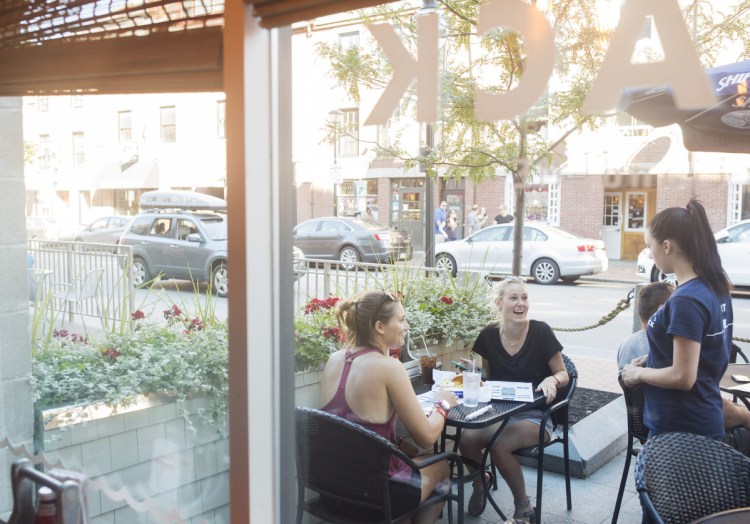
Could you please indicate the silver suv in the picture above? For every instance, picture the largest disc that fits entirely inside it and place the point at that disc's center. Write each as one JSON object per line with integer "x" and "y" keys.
{"x": 181, "y": 245}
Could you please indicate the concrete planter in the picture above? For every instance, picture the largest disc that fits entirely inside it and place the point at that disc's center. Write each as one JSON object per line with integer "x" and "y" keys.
{"x": 160, "y": 459}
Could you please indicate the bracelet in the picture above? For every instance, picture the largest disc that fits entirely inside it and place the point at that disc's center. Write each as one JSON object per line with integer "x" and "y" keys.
{"x": 556, "y": 380}
{"x": 442, "y": 411}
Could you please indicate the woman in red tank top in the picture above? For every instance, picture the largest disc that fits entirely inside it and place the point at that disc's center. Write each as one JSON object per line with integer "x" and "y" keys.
{"x": 364, "y": 385}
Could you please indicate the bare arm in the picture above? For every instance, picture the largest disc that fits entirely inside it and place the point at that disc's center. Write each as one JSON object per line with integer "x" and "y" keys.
{"x": 425, "y": 430}
{"x": 681, "y": 375}
{"x": 558, "y": 378}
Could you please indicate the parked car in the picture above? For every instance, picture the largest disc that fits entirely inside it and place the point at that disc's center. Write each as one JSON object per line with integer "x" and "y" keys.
{"x": 50, "y": 228}
{"x": 549, "y": 253}
{"x": 105, "y": 230}
{"x": 299, "y": 266}
{"x": 179, "y": 244}
{"x": 733, "y": 244}
{"x": 351, "y": 240}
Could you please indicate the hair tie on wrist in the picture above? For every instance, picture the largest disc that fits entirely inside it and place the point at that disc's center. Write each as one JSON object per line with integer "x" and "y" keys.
{"x": 556, "y": 380}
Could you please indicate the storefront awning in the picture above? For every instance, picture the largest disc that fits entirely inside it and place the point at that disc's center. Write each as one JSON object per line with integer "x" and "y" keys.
{"x": 141, "y": 175}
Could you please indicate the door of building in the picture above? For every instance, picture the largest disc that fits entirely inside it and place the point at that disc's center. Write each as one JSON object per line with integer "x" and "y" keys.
{"x": 407, "y": 208}
{"x": 612, "y": 229}
{"x": 454, "y": 195}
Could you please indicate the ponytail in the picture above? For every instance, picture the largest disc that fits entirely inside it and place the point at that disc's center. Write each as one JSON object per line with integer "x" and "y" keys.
{"x": 689, "y": 227}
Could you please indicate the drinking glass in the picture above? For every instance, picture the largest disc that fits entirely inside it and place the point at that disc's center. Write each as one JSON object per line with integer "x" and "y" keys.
{"x": 472, "y": 383}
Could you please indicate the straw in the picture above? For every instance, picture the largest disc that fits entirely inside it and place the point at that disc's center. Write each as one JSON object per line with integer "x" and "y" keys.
{"x": 473, "y": 365}
{"x": 426, "y": 349}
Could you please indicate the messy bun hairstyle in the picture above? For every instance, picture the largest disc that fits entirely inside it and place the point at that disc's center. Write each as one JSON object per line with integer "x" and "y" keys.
{"x": 357, "y": 318}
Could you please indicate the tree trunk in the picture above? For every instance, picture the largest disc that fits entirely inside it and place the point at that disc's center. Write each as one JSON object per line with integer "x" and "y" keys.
{"x": 519, "y": 213}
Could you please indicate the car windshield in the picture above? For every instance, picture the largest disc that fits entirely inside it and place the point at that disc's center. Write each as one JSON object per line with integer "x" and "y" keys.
{"x": 215, "y": 227}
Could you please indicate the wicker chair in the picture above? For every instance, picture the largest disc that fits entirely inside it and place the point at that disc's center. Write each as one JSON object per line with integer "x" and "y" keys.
{"x": 634, "y": 400}
{"x": 681, "y": 477}
{"x": 346, "y": 463}
{"x": 559, "y": 414}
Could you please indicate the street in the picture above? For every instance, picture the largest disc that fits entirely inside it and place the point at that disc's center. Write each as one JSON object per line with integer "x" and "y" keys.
{"x": 561, "y": 306}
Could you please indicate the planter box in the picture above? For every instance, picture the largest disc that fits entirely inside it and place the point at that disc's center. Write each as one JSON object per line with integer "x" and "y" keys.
{"x": 163, "y": 461}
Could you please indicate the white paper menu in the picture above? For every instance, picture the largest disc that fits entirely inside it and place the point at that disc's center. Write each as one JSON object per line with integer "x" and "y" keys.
{"x": 515, "y": 391}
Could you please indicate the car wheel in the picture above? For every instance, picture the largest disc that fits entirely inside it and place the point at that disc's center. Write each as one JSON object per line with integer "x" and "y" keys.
{"x": 140, "y": 272}
{"x": 446, "y": 263}
{"x": 348, "y": 256}
{"x": 545, "y": 272}
{"x": 220, "y": 280}
{"x": 570, "y": 280}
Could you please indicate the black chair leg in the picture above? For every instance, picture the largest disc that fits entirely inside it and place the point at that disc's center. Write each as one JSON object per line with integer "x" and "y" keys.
{"x": 623, "y": 481}
{"x": 566, "y": 456}
{"x": 539, "y": 484}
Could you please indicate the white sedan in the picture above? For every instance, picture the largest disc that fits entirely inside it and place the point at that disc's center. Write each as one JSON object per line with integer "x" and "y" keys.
{"x": 549, "y": 253}
{"x": 734, "y": 248}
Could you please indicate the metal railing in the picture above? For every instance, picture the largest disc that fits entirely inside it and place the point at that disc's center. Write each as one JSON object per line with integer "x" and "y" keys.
{"x": 56, "y": 264}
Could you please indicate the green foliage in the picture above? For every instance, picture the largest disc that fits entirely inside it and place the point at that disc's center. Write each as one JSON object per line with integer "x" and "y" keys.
{"x": 437, "y": 307}
{"x": 316, "y": 334}
{"x": 116, "y": 369}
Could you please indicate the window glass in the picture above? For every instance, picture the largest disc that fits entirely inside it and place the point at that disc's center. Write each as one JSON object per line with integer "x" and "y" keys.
{"x": 161, "y": 227}
{"x": 308, "y": 227}
{"x": 141, "y": 225}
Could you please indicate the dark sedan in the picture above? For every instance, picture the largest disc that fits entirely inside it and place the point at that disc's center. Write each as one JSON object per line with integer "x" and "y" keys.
{"x": 351, "y": 240}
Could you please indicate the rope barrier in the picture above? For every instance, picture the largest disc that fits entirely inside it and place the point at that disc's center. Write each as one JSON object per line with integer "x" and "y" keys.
{"x": 622, "y": 305}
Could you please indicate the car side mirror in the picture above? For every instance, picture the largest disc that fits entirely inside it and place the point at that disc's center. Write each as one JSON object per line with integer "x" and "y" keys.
{"x": 194, "y": 237}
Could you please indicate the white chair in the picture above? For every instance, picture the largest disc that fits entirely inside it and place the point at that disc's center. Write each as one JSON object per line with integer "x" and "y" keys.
{"x": 81, "y": 289}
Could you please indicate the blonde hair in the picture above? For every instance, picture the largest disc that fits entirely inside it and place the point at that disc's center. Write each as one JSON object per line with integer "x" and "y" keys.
{"x": 357, "y": 318}
{"x": 499, "y": 289}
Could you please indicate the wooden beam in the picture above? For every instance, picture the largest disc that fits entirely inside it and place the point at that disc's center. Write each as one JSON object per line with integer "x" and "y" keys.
{"x": 184, "y": 61}
{"x": 277, "y": 13}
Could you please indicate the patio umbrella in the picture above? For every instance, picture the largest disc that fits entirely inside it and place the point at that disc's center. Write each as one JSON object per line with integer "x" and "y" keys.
{"x": 723, "y": 127}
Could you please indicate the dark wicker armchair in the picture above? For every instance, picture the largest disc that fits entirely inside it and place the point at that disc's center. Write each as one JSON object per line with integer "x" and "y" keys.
{"x": 348, "y": 465}
{"x": 634, "y": 400}
{"x": 559, "y": 413}
{"x": 681, "y": 477}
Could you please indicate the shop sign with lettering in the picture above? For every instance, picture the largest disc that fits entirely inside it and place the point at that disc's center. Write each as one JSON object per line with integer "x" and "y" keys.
{"x": 679, "y": 69}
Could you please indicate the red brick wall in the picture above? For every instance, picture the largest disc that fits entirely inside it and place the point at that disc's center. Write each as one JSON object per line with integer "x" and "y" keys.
{"x": 582, "y": 205}
{"x": 711, "y": 190}
{"x": 488, "y": 194}
{"x": 313, "y": 201}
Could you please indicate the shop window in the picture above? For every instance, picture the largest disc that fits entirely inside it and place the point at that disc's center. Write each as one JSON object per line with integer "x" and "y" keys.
{"x": 125, "y": 126}
{"x": 79, "y": 157}
{"x": 168, "y": 124}
{"x": 349, "y": 136}
{"x": 636, "y": 212}
{"x": 354, "y": 197}
{"x": 537, "y": 202}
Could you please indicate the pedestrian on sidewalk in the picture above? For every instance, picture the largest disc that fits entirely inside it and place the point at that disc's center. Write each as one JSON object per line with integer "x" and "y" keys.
{"x": 472, "y": 225}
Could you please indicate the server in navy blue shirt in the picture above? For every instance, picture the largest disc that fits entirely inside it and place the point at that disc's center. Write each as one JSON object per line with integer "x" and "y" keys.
{"x": 690, "y": 337}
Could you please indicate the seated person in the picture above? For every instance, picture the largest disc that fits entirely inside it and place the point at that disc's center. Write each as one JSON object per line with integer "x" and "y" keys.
{"x": 364, "y": 385}
{"x": 650, "y": 299}
{"x": 516, "y": 349}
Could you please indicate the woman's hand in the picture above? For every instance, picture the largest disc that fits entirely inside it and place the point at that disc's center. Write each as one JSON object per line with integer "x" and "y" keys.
{"x": 631, "y": 374}
{"x": 444, "y": 394}
{"x": 639, "y": 361}
{"x": 548, "y": 388}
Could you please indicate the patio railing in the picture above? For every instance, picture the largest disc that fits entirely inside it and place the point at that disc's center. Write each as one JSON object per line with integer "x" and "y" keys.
{"x": 57, "y": 263}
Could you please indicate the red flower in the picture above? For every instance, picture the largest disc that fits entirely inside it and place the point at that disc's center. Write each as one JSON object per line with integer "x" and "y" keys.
{"x": 195, "y": 324}
{"x": 332, "y": 332}
{"x": 446, "y": 300}
{"x": 60, "y": 333}
{"x": 111, "y": 353}
{"x": 317, "y": 304}
{"x": 174, "y": 311}
{"x": 138, "y": 314}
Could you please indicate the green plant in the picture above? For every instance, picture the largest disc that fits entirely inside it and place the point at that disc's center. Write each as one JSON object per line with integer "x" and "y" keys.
{"x": 437, "y": 307}
{"x": 182, "y": 360}
{"x": 316, "y": 333}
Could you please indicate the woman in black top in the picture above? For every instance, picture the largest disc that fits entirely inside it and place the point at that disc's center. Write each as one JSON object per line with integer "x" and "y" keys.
{"x": 515, "y": 349}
